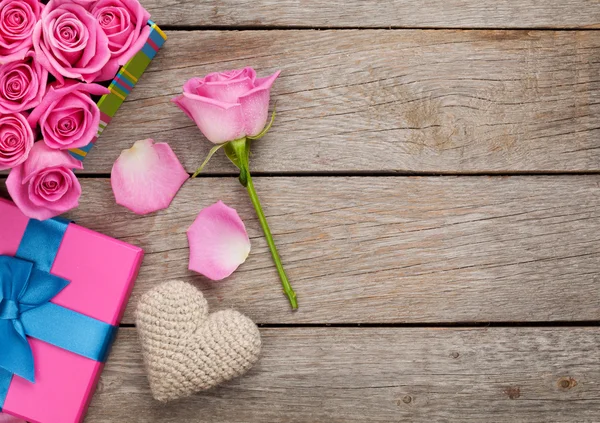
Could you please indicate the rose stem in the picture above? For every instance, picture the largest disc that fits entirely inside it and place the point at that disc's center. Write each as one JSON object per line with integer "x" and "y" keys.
{"x": 238, "y": 152}
{"x": 287, "y": 288}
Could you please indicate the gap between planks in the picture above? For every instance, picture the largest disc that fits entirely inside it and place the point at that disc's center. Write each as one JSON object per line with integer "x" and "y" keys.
{"x": 390, "y": 102}
{"x": 343, "y": 375}
{"x": 386, "y": 250}
{"x": 487, "y": 14}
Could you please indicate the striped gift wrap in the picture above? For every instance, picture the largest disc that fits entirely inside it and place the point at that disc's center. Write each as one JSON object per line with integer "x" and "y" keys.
{"x": 123, "y": 83}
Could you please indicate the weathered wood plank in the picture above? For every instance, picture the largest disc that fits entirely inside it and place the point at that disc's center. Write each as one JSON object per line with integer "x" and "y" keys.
{"x": 375, "y": 101}
{"x": 377, "y": 13}
{"x": 380, "y": 375}
{"x": 375, "y": 250}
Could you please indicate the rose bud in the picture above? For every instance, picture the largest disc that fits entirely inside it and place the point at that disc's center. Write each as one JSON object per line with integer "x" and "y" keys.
{"x": 125, "y": 24}
{"x": 16, "y": 140}
{"x": 69, "y": 42}
{"x": 17, "y": 20}
{"x": 229, "y": 105}
{"x": 45, "y": 186}
{"x": 22, "y": 84}
{"x": 67, "y": 116}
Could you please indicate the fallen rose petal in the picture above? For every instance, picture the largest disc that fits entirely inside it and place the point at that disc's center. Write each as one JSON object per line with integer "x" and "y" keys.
{"x": 146, "y": 177}
{"x": 218, "y": 241}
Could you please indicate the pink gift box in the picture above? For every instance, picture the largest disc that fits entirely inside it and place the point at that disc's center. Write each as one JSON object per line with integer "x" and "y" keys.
{"x": 101, "y": 271}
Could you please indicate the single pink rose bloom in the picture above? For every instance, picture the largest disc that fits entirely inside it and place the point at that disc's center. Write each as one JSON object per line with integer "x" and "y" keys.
{"x": 67, "y": 115}
{"x": 17, "y": 20}
{"x": 16, "y": 140}
{"x": 22, "y": 84}
{"x": 45, "y": 186}
{"x": 146, "y": 177}
{"x": 218, "y": 241}
{"x": 69, "y": 42}
{"x": 125, "y": 24}
{"x": 229, "y": 105}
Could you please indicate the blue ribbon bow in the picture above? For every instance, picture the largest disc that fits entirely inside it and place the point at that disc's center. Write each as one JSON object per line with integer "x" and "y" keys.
{"x": 22, "y": 289}
{"x": 26, "y": 288}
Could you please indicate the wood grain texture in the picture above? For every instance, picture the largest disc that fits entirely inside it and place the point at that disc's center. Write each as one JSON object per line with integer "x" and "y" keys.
{"x": 385, "y": 250}
{"x": 386, "y": 101}
{"x": 377, "y": 13}
{"x": 379, "y": 375}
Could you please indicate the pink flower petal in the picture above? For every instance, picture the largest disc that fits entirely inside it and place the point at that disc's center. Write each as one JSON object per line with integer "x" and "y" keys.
{"x": 219, "y": 121}
{"x": 255, "y": 105}
{"x": 5, "y": 418}
{"x": 218, "y": 241}
{"x": 146, "y": 177}
{"x": 43, "y": 157}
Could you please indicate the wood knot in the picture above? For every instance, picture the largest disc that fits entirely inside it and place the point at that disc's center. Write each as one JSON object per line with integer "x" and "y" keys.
{"x": 513, "y": 392}
{"x": 566, "y": 383}
{"x": 455, "y": 355}
{"x": 407, "y": 399}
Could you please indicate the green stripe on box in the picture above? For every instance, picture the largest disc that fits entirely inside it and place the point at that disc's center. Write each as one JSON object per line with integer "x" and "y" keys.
{"x": 110, "y": 103}
{"x": 138, "y": 64}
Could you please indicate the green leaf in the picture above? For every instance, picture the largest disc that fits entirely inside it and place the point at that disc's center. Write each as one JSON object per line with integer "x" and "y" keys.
{"x": 230, "y": 152}
{"x": 210, "y": 154}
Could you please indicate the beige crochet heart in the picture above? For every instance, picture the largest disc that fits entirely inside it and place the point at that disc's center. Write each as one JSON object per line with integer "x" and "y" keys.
{"x": 185, "y": 349}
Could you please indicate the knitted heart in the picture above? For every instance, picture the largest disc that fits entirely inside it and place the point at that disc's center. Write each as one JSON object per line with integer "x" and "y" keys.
{"x": 185, "y": 349}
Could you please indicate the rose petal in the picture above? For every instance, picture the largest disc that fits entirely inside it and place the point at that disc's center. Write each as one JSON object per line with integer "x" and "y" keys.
{"x": 219, "y": 122}
{"x": 227, "y": 91}
{"x": 146, "y": 177}
{"x": 16, "y": 140}
{"x": 42, "y": 157}
{"x": 218, "y": 241}
{"x": 255, "y": 105}
{"x": 5, "y": 418}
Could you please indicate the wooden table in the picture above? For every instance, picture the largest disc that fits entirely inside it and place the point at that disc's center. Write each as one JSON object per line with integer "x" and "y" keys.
{"x": 433, "y": 183}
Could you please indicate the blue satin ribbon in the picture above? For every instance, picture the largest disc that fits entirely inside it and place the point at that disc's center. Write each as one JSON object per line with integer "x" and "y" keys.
{"x": 26, "y": 288}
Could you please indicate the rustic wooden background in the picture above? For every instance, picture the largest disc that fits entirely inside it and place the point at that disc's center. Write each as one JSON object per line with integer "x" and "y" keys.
{"x": 433, "y": 183}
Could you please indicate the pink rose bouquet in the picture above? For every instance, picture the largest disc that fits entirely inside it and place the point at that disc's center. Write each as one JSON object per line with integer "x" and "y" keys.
{"x": 231, "y": 109}
{"x": 52, "y": 56}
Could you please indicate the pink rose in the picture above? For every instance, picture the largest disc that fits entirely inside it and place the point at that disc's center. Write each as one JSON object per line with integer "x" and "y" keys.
{"x": 69, "y": 42}
{"x": 229, "y": 105}
{"x": 87, "y": 4}
{"x": 22, "y": 84}
{"x": 125, "y": 24}
{"x": 44, "y": 186}
{"x": 17, "y": 20}
{"x": 67, "y": 116}
{"x": 16, "y": 140}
